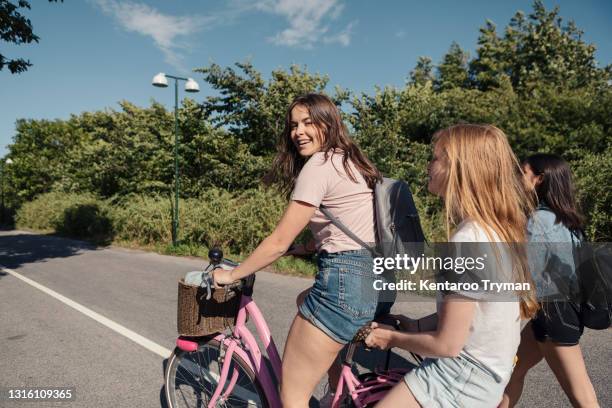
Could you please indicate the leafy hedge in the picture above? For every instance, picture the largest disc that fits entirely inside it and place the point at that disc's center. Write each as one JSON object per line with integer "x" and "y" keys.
{"x": 70, "y": 214}
{"x": 593, "y": 173}
{"x": 236, "y": 222}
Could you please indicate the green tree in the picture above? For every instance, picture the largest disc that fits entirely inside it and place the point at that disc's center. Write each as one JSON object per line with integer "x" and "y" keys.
{"x": 17, "y": 29}
{"x": 536, "y": 50}
{"x": 40, "y": 152}
{"x": 254, "y": 109}
{"x": 422, "y": 72}
{"x": 127, "y": 151}
{"x": 490, "y": 64}
{"x": 214, "y": 157}
{"x": 453, "y": 71}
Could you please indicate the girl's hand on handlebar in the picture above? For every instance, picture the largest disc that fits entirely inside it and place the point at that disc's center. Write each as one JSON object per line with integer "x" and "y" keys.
{"x": 222, "y": 277}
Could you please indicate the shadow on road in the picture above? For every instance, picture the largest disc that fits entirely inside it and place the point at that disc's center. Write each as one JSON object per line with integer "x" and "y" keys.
{"x": 163, "y": 403}
{"x": 17, "y": 248}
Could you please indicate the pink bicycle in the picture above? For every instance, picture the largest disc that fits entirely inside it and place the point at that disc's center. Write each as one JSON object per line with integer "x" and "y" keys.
{"x": 230, "y": 370}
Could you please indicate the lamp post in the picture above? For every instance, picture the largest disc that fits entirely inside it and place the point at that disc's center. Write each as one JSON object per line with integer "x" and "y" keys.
{"x": 161, "y": 80}
{"x": 8, "y": 161}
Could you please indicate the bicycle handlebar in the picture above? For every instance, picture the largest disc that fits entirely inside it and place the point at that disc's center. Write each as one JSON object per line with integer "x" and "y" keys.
{"x": 216, "y": 260}
{"x": 208, "y": 282}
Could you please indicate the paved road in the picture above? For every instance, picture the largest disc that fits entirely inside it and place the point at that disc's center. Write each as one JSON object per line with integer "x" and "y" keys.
{"x": 44, "y": 342}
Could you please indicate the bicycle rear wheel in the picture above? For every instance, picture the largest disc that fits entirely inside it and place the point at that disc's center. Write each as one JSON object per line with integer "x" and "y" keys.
{"x": 192, "y": 377}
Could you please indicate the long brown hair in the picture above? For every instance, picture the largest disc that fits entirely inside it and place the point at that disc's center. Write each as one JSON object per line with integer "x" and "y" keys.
{"x": 486, "y": 184}
{"x": 325, "y": 116}
{"x": 556, "y": 190}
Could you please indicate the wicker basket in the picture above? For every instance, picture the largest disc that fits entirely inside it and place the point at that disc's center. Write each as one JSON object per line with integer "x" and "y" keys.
{"x": 197, "y": 316}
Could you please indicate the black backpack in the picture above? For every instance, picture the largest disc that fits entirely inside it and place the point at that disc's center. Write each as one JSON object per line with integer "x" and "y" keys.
{"x": 594, "y": 270}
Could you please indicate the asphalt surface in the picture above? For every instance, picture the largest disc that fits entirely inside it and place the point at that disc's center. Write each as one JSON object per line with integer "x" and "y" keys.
{"x": 45, "y": 343}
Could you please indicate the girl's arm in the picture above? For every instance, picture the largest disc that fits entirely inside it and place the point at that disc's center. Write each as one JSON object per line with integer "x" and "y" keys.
{"x": 447, "y": 340}
{"x": 294, "y": 220}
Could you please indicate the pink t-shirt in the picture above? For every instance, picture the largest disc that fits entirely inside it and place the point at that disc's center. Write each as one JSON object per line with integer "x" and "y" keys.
{"x": 325, "y": 182}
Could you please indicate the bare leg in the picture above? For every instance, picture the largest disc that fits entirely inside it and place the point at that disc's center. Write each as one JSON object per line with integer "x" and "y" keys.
{"x": 336, "y": 368}
{"x": 569, "y": 368}
{"x": 399, "y": 396}
{"x": 529, "y": 355}
{"x": 309, "y": 353}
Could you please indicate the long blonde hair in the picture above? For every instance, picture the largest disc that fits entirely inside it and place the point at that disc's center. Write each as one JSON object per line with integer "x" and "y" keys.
{"x": 485, "y": 184}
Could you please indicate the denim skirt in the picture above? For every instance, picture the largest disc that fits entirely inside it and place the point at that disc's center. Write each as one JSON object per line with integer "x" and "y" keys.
{"x": 343, "y": 298}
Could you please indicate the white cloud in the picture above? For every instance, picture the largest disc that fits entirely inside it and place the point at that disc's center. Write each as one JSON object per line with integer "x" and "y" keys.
{"x": 343, "y": 37}
{"x": 309, "y": 22}
{"x": 169, "y": 33}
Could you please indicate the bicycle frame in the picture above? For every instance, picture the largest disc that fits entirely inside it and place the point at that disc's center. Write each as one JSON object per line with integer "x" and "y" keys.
{"x": 366, "y": 392}
{"x": 243, "y": 343}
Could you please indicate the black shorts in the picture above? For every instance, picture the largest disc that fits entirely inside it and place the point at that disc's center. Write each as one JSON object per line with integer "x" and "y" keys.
{"x": 559, "y": 322}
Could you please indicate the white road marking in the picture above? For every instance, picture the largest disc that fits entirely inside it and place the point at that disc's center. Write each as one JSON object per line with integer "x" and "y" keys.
{"x": 124, "y": 331}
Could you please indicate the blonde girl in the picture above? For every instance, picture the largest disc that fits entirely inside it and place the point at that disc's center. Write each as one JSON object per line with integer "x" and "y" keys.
{"x": 470, "y": 343}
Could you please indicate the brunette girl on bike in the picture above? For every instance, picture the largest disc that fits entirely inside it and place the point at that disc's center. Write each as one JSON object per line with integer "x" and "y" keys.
{"x": 318, "y": 164}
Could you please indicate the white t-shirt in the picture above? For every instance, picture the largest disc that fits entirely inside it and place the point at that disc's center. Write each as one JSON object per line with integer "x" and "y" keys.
{"x": 495, "y": 331}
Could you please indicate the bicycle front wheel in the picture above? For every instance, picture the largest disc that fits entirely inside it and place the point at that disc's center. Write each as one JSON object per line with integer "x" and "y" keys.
{"x": 192, "y": 378}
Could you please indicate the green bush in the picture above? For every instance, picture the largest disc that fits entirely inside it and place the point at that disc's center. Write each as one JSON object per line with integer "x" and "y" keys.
{"x": 71, "y": 214}
{"x": 253, "y": 215}
{"x": 235, "y": 222}
{"x": 144, "y": 219}
{"x": 593, "y": 173}
{"x": 44, "y": 212}
{"x": 87, "y": 220}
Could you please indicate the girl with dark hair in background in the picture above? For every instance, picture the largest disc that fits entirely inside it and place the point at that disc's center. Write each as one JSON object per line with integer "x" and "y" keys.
{"x": 555, "y": 332}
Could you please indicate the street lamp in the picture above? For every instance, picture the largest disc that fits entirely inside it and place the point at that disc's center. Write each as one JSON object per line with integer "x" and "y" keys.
{"x": 161, "y": 80}
{"x": 8, "y": 161}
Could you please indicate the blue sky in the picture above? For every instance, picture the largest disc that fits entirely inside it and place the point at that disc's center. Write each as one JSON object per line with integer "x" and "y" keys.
{"x": 95, "y": 53}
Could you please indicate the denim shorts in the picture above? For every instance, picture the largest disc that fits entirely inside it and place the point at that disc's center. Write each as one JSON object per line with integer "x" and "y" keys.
{"x": 343, "y": 298}
{"x": 454, "y": 382}
{"x": 558, "y": 321}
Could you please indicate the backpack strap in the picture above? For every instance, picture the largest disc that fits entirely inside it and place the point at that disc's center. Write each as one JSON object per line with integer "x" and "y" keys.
{"x": 347, "y": 231}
